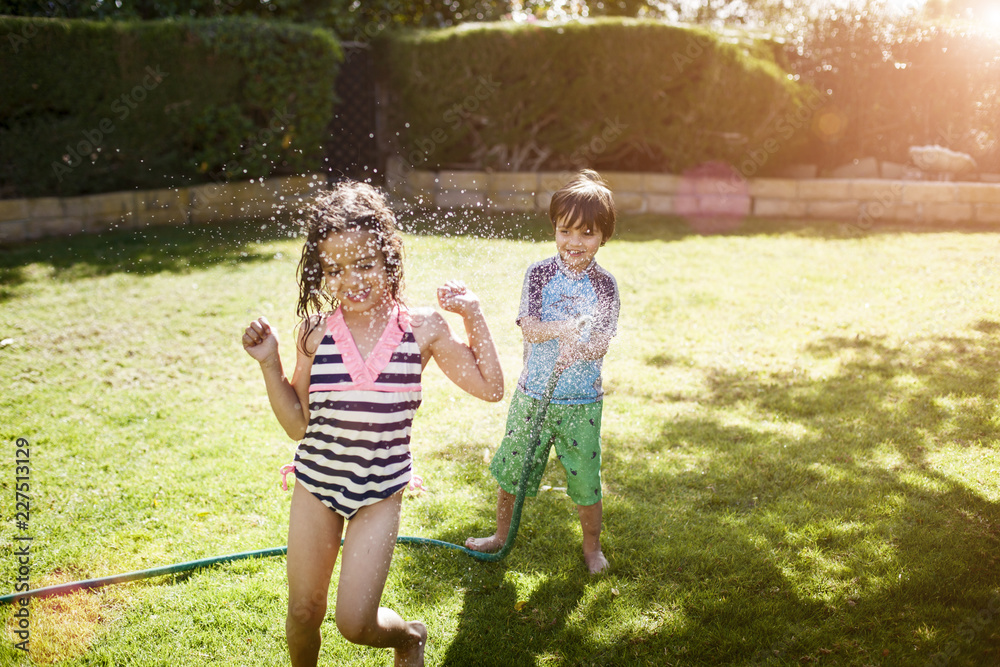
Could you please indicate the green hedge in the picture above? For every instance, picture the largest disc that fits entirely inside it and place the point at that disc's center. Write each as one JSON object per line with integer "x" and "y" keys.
{"x": 349, "y": 19}
{"x": 610, "y": 93}
{"x": 99, "y": 106}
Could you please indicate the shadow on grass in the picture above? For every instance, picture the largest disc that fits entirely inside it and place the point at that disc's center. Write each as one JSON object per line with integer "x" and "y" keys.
{"x": 830, "y": 526}
{"x": 183, "y": 248}
{"x": 497, "y": 625}
{"x": 142, "y": 251}
{"x": 899, "y": 553}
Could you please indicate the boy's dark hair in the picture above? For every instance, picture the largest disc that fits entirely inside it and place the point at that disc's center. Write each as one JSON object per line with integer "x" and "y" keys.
{"x": 586, "y": 200}
{"x": 348, "y": 206}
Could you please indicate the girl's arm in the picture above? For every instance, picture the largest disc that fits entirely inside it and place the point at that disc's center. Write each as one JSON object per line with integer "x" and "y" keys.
{"x": 475, "y": 367}
{"x": 289, "y": 399}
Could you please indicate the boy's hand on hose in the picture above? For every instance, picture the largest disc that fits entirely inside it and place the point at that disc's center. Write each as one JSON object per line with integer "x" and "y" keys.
{"x": 455, "y": 297}
{"x": 260, "y": 341}
{"x": 569, "y": 353}
{"x": 571, "y": 342}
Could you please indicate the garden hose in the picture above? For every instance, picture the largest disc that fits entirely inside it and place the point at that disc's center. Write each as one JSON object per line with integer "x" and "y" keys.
{"x": 62, "y": 589}
{"x": 535, "y": 442}
{"x": 515, "y": 521}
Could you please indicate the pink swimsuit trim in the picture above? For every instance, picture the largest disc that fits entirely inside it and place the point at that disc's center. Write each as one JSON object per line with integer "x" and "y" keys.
{"x": 364, "y": 372}
{"x": 284, "y": 470}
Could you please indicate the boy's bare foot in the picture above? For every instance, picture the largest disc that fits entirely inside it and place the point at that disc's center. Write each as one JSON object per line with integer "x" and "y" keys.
{"x": 491, "y": 543}
{"x": 412, "y": 655}
{"x": 596, "y": 562}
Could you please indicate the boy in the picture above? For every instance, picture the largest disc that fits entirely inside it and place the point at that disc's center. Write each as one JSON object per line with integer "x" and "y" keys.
{"x": 568, "y": 315}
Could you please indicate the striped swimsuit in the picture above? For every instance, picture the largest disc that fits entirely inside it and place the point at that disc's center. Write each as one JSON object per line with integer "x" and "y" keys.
{"x": 356, "y": 450}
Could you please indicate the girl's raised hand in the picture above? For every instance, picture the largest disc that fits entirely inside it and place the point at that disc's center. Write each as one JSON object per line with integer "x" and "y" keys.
{"x": 259, "y": 340}
{"x": 455, "y": 297}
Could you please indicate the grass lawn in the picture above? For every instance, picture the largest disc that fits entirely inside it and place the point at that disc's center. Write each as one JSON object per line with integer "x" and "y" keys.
{"x": 800, "y": 444}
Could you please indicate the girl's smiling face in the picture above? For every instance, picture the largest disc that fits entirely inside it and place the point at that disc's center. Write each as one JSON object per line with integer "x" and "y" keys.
{"x": 577, "y": 245}
{"x": 354, "y": 269}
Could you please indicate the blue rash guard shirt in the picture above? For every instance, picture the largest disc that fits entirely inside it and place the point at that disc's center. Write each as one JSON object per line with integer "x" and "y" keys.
{"x": 551, "y": 292}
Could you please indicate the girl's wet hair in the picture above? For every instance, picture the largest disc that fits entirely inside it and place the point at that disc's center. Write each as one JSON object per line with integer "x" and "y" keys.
{"x": 586, "y": 201}
{"x": 348, "y": 206}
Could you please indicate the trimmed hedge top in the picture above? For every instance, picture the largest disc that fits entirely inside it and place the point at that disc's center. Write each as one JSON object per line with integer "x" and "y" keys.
{"x": 99, "y": 106}
{"x": 610, "y": 93}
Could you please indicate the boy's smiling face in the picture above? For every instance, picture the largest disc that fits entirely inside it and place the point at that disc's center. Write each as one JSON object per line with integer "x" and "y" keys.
{"x": 576, "y": 243}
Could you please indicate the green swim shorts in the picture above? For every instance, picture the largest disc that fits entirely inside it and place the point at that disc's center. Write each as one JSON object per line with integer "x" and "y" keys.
{"x": 575, "y": 430}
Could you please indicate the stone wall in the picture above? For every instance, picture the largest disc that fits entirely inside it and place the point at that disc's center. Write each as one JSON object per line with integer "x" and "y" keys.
{"x": 862, "y": 202}
{"x": 28, "y": 219}
{"x": 859, "y": 201}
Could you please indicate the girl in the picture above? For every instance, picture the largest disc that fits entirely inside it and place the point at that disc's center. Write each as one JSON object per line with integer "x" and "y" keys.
{"x": 350, "y": 403}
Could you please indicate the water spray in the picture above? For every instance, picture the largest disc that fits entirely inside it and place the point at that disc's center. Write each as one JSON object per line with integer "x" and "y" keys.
{"x": 177, "y": 568}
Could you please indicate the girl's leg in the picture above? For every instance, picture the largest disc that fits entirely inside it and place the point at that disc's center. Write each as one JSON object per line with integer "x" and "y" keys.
{"x": 590, "y": 522}
{"x": 505, "y": 512}
{"x": 364, "y": 566}
{"x": 313, "y": 542}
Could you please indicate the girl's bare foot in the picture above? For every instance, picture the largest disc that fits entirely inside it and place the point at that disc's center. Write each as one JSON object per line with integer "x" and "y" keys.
{"x": 491, "y": 543}
{"x": 596, "y": 562}
{"x": 412, "y": 655}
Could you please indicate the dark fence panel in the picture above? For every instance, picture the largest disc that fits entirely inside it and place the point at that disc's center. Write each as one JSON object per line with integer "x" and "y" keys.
{"x": 351, "y": 149}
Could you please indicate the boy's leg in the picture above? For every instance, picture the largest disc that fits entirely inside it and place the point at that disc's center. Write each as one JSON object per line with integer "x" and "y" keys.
{"x": 364, "y": 566}
{"x": 578, "y": 447}
{"x": 313, "y": 542}
{"x": 505, "y": 510}
{"x": 508, "y": 464}
{"x": 590, "y": 522}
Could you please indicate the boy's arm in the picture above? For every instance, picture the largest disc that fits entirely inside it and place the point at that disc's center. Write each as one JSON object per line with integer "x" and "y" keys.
{"x": 289, "y": 399}
{"x": 475, "y": 366}
{"x": 536, "y": 331}
{"x": 604, "y": 323}
{"x": 573, "y": 349}
{"x": 529, "y": 315}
